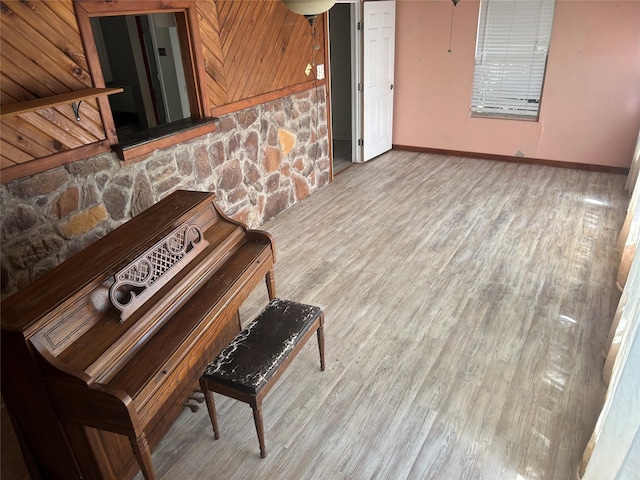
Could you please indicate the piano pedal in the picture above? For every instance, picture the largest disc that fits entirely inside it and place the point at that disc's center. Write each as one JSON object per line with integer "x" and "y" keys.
{"x": 194, "y": 408}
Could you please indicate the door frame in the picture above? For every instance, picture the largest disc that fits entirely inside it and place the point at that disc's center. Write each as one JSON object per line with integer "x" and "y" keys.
{"x": 355, "y": 14}
{"x": 357, "y": 99}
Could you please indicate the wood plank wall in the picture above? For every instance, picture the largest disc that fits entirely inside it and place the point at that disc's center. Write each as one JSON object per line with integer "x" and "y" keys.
{"x": 250, "y": 48}
{"x": 41, "y": 55}
{"x": 265, "y": 48}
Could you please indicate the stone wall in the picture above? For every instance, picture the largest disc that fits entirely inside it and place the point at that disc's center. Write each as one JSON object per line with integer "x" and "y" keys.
{"x": 259, "y": 162}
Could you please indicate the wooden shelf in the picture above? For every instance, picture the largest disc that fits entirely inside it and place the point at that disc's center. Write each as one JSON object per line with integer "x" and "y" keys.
{"x": 55, "y": 100}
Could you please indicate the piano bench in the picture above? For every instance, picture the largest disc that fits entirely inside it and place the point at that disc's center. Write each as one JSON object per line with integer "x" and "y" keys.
{"x": 251, "y": 364}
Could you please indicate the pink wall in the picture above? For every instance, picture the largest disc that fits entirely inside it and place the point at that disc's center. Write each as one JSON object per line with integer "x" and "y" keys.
{"x": 590, "y": 110}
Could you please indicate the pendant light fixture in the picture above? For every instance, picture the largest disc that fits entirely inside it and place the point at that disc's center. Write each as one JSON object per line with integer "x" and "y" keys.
{"x": 309, "y": 8}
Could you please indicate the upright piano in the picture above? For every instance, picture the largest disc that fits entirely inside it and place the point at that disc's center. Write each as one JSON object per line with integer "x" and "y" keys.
{"x": 100, "y": 353}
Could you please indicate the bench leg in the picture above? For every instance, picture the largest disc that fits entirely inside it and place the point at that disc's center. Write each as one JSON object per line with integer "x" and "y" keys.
{"x": 256, "y": 406}
{"x": 271, "y": 284}
{"x": 143, "y": 455}
{"x": 211, "y": 407}
{"x": 320, "y": 333}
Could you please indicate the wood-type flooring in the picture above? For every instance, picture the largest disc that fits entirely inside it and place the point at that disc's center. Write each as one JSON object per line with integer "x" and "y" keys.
{"x": 467, "y": 304}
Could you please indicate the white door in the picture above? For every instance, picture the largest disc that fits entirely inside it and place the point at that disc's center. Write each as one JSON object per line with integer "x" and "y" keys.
{"x": 379, "y": 22}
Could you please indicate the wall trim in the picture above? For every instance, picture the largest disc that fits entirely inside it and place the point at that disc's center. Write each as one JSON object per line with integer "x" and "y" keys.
{"x": 264, "y": 98}
{"x": 514, "y": 159}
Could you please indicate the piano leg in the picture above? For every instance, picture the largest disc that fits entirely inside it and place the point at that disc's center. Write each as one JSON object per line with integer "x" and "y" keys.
{"x": 271, "y": 284}
{"x": 143, "y": 455}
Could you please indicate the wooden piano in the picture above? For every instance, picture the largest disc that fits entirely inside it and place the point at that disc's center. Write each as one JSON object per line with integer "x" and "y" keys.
{"x": 99, "y": 354}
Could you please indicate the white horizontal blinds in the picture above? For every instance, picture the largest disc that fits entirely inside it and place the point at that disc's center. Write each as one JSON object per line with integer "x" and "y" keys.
{"x": 511, "y": 56}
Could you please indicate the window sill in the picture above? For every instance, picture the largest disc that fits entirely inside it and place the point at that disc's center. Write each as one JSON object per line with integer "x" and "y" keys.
{"x": 505, "y": 116}
{"x": 136, "y": 147}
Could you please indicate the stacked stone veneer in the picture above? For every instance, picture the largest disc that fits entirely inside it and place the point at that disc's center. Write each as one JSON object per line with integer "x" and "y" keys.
{"x": 259, "y": 162}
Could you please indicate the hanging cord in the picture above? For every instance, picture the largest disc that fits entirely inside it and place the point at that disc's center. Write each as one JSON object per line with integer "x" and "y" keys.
{"x": 453, "y": 4}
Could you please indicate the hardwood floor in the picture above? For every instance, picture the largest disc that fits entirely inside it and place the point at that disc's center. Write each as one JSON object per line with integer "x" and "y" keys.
{"x": 467, "y": 304}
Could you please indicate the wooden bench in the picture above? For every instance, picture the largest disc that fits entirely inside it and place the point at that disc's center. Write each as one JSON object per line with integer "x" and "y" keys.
{"x": 251, "y": 364}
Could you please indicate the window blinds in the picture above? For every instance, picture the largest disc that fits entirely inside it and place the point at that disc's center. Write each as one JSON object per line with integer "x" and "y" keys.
{"x": 511, "y": 56}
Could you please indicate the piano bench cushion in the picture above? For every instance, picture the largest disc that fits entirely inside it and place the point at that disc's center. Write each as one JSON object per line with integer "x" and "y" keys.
{"x": 254, "y": 356}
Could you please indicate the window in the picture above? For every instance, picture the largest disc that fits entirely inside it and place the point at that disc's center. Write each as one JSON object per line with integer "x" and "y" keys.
{"x": 511, "y": 57}
{"x": 152, "y": 50}
{"x": 141, "y": 54}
